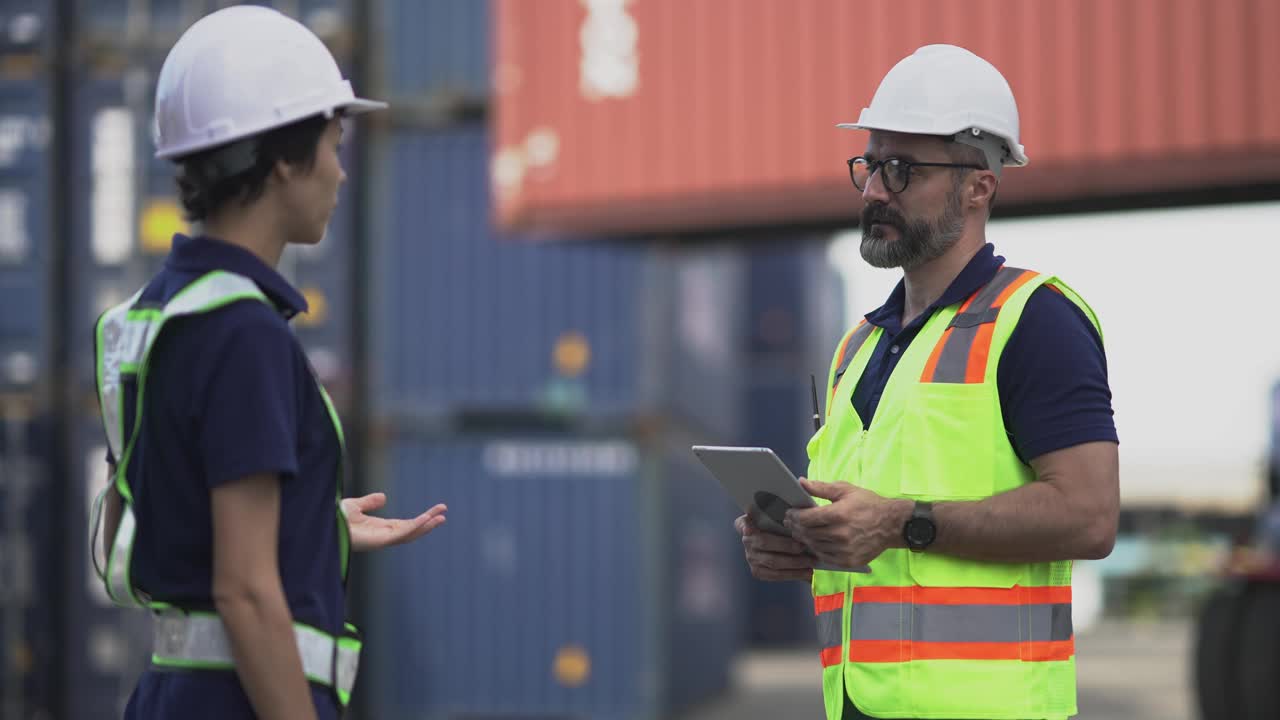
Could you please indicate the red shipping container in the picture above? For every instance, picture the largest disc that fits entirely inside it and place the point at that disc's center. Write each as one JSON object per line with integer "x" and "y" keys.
{"x": 679, "y": 115}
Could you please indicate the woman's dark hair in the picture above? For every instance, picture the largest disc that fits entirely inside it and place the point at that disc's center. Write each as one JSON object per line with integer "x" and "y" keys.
{"x": 205, "y": 185}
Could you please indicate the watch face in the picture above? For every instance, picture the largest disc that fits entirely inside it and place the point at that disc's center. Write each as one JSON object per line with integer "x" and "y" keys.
{"x": 920, "y": 532}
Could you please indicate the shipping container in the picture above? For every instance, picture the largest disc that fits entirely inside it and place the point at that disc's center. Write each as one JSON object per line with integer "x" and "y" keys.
{"x": 576, "y": 578}
{"x": 434, "y": 51}
{"x": 464, "y": 318}
{"x": 87, "y": 659}
{"x": 116, "y": 184}
{"x": 28, "y": 568}
{"x": 24, "y": 222}
{"x": 618, "y": 116}
{"x": 795, "y": 318}
{"x": 26, "y": 27}
{"x": 323, "y": 274}
{"x": 701, "y": 294}
{"x": 154, "y": 25}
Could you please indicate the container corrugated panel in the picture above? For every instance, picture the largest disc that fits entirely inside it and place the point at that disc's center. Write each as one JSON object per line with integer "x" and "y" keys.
{"x": 322, "y": 273}
{"x": 113, "y": 176}
{"x": 667, "y": 114}
{"x": 705, "y": 579}
{"x": 109, "y": 646}
{"x": 28, "y": 567}
{"x": 435, "y": 49}
{"x": 795, "y": 318}
{"x": 116, "y": 22}
{"x": 778, "y": 416}
{"x": 574, "y": 578}
{"x": 24, "y": 221}
{"x": 25, "y": 26}
{"x": 795, "y": 306}
{"x": 702, "y": 293}
{"x": 467, "y": 319}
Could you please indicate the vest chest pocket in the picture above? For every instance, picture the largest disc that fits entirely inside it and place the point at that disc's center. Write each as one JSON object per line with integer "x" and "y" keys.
{"x": 950, "y": 433}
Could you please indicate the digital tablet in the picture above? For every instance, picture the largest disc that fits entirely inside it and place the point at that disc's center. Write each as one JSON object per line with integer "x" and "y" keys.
{"x": 761, "y": 485}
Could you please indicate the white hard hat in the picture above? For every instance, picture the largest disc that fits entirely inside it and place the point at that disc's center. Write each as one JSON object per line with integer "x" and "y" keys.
{"x": 947, "y": 90}
{"x": 242, "y": 71}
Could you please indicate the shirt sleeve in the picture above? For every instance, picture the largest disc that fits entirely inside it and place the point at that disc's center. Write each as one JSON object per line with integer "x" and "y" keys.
{"x": 1052, "y": 379}
{"x": 248, "y": 423}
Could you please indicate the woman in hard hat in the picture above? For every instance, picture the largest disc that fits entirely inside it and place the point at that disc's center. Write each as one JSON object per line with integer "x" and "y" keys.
{"x": 225, "y": 514}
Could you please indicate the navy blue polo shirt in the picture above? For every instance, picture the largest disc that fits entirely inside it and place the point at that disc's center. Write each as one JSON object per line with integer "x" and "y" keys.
{"x": 1052, "y": 376}
{"x": 230, "y": 394}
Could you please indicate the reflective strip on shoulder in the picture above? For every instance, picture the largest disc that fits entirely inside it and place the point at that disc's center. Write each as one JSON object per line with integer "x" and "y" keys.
{"x": 211, "y": 291}
{"x": 853, "y": 342}
{"x": 119, "y": 343}
{"x": 962, "y": 352}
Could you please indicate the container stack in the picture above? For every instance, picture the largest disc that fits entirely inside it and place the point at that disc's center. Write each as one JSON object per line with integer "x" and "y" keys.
{"x": 588, "y": 567}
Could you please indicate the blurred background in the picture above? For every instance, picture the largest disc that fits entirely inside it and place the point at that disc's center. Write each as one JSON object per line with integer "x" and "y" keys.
{"x": 591, "y": 233}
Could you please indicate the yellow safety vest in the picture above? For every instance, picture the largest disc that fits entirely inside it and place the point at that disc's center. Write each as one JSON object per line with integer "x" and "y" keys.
{"x": 925, "y": 635}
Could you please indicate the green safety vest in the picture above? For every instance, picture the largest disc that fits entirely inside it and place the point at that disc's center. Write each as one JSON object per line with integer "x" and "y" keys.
{"x": 123, "y": 340}
{"x": 925, "y": 635}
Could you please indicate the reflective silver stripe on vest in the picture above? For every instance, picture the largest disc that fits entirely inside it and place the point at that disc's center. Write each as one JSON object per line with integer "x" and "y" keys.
{"x": 209, "y": 291}
{"x": 829, "y": 610}
{"x": 961, "y": 623}
{"x": 963, "y": 330}
{"x": 118, "y": 586}
{"x": 829, "y": 628}
{"x": 118, "y": 342}
{"x": 124, "y": 342}
{"x": 200, "y": 640}
{"x": 851, "y": 348}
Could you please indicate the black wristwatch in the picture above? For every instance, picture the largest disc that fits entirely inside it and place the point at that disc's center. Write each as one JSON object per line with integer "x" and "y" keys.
{"x": 920, "y": 531}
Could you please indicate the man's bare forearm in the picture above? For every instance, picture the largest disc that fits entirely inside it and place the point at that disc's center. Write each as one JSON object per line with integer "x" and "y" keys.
{"x": 1029, "y": 524}
{"x": 1069, "y": 513}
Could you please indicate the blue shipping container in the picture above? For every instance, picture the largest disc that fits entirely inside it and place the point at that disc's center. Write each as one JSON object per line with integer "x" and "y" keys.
{"x": 701, "y": 293}
{"x": 575, "y": 578}
{"x": 466, "y": 319}
{"x": 794, "y": 320}
{"x": 113, "y": 177}
{"x": 29, "y": 517}
{"x": 105, "y": 648}
{"x": 24, "y": 221}
{"x": 25, "y": 26}
{"x": 434, "y": 50}
{"x": 322, "y": 273}
{"x": 111, "y": 20}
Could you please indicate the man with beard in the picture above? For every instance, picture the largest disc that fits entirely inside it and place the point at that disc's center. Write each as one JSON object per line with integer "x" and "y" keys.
{"x": 969, "y": 454}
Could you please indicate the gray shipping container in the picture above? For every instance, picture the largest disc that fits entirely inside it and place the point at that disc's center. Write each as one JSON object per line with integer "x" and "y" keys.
{"x": 465, "y": 319}
{"x": 575, "y": 578}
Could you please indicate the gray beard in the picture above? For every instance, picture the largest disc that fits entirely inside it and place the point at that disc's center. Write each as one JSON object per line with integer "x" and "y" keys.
{"x": 918, "y": 242}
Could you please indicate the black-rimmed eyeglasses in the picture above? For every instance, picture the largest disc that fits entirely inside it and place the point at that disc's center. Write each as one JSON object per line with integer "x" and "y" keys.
{"x": 895, "y": 173}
